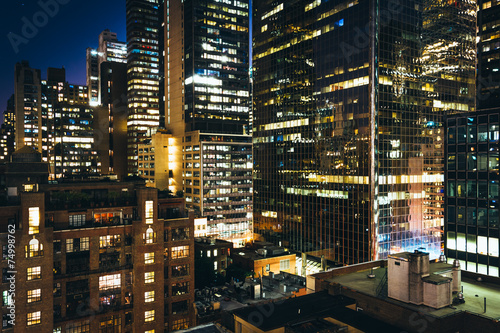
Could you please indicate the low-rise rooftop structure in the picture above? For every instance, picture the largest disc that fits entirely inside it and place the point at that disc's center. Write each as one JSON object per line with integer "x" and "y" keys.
{"x": 367, "y": 284}
{"x": 318, "y": 312}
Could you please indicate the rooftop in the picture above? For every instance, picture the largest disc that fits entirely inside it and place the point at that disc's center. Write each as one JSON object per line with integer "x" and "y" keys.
{"x": 271, "y": 252}
{"x": 312, "y": 313}
{"x": 207, "y": 242}
{"x": 294, "y": 310}
{"x": 474, "y": 292}
{"x": 210, "y": 328}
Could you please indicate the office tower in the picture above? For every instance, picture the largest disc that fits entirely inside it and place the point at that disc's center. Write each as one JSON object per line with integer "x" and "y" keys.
{"x": 73, "y": 153}
{"x": 348, "y": 134}
{"x": 161, "y": 65}
{"x": 7, "y": 130}
{"x": 142, "y": 74}
{"x": 488, "y": 55}
{"x": 109, "y": 50}
{"x": 207, "y": 105}
{"x": 110, "y": 124}
{"x": 93, "y": 76}
{"x": 107, "y": 81}
{"x": 99, "y": 257}
{"x": 28, "y": 106}
{"x": 9, "y": 116}
{"x": 472, "y": 165}
{"x": 67, "y": 120}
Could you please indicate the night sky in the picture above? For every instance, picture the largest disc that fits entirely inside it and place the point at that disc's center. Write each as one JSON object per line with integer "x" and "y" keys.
{"x": 61, "y": 41}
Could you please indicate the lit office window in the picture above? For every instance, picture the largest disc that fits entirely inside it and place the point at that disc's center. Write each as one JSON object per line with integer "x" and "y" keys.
{"x": 149, "y": 258}
{"x": 149, "y": 316}
{"x": 149, "y": 296}
{"x": 34, "y": 318}
{"x": 34, "y": 220}
{"x": 149, "y": 277}
{"x": 149, "y": 212}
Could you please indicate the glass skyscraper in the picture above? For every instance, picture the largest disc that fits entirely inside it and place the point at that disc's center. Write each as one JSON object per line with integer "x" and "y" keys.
{"x": 143, "y": 55}
{"x": 472, "y": 165}
{"x": 488, "y": 54}
{"x": 348, "y": 136}
{"x": 207, "y": 98}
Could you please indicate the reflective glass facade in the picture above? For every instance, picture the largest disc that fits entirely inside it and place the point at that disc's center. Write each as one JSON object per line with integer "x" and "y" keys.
{"x": 211, "y": 45}
{"x": 93, "y": 75}
{"x": 142, "y": 74}
{"x": 216, "y": 66}
{"x": 348, "y": 104}
{"x": 472, "y": 165}
{"x": 488, "y": 54}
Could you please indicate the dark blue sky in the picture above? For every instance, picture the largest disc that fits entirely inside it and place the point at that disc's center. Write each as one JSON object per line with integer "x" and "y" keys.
{"x": 60, "y": 41}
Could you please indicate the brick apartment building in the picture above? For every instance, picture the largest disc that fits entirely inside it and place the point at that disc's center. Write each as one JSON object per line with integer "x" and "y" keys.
{"x": 98, "y": 257}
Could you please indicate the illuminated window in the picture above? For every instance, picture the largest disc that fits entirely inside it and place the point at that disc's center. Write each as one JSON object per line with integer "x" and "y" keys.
{"x": 149, "y": 277}
{"x": 149, "y": 237}
{"x": 149, "y": 316}
{"x": 109, "y": 241}
{"x": 34, "y": 249}
{"x": 108, "y": 282}
{"x": 34, "y": 273}
{"x": 149, "y": 258}
{"x": 150, "y": 331}
{"x": 34, "y": 318}
{"x": 34, "y": 295}
{"x": 110, "y": 324}
{"x": 6, "y": 298}
{"x": 180, "y": 252}
{"x": 149, "y": 212}
{"x": 34, "y": 220}
{"x": 149, "y": 296}
{"x": 29, "y": 187}
{"x": 180, "y": 324}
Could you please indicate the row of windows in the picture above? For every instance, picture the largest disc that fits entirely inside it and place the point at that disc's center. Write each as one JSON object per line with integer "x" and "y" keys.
{"x": 473, "y": 189}
{"x": 482, "y": 217}
{"x": 473, "y": 161}
{"x": 472, "y": 243}
{"x": 473, "y": 134}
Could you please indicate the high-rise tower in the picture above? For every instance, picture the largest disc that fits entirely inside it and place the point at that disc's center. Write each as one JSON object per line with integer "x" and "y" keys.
{"x": 488, "y": 54}
{"x": 348, "y": 104}
{"x": 142, "y": 74}
{"x": 28, "y": 104}
{"x": 207, "y": 93}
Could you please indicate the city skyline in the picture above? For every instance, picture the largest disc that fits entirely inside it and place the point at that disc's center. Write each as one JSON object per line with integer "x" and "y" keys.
{"x": 168, "y": 164}
{"x": 43, "y": 50}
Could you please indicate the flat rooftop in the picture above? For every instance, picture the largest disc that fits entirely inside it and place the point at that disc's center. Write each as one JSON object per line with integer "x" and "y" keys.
{"x": 253, "y": 255}
{"x": 474, "y": 292}
{"x": 312, "y": 313}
